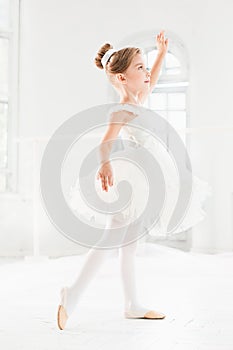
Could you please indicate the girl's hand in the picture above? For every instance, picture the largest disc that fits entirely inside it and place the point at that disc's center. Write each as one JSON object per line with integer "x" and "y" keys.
{"x": 162, "y": 44}
{"x": 105, "y": 173}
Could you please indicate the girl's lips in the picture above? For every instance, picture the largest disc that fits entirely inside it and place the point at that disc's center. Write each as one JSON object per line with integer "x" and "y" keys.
{"x": 147, "y": 81}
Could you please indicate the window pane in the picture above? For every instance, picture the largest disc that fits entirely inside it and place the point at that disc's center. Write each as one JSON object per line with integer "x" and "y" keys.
{"x": 177, "y": 119}
{"x": 158, "y": 101}
{"x": 173, "y": 71}
{"x": 171, "y": 61}
{"x": 163, "y": 114}
{"x": 4, "y": 13}
{"x": 151, "y": 57}
{"x": 4, "y": 43}
{"x": 3, "y": 134}
{"x": 176, "y": 101}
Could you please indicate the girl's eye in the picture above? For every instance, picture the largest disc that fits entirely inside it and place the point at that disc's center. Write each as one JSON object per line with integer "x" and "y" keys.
{"x": 139, "y": 67}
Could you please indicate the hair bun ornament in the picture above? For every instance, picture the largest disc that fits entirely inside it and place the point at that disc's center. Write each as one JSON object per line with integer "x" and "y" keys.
{"x": 106, "y": 56}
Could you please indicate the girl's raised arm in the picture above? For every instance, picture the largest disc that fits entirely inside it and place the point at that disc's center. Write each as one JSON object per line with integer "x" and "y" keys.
{"x": 162, "y": 45}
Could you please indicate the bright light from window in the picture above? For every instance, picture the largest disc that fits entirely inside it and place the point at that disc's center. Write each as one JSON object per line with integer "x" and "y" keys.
{"x": 4, "y": 44}
{"x": 169, "y": 95}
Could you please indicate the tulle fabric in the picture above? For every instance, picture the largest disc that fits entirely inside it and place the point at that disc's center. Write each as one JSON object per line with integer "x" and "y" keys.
{"x": 125, "y": 171}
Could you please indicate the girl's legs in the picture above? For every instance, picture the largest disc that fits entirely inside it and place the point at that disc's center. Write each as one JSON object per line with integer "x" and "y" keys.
{"x": 93, "y": 261}
{"x": 128, "y": 275}
{"x": 127, "y": 255}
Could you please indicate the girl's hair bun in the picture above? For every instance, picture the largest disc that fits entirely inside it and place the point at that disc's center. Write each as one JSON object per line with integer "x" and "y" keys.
{"x": 101, "y": 54}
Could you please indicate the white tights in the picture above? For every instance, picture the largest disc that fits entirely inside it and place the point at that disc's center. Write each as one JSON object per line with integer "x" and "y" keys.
{"x": 94, "y": 259}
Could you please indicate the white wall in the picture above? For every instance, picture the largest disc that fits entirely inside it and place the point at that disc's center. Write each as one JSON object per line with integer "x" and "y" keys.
{"x": 58, "y": 42}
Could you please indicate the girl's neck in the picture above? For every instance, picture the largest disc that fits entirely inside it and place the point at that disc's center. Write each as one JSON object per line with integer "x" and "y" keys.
{"x": 137, "y": 103}
{"x": 130, "y": 98}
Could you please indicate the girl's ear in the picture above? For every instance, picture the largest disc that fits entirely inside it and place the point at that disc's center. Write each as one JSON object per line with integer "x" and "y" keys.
{"x": 121, "y": 78}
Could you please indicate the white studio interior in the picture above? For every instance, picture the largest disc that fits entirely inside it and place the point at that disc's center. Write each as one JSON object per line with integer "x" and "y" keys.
{"x": 48, "y": 75}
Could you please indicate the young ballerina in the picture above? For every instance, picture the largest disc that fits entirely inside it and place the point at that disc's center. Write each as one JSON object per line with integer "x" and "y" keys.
{"x": 126, "y": 71}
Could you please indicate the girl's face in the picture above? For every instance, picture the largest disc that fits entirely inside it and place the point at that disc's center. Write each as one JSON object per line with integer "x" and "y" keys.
{"x": 137, "y": 77}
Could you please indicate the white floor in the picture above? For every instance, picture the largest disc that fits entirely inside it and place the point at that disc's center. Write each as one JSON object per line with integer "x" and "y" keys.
{"x": 195, "y": 291}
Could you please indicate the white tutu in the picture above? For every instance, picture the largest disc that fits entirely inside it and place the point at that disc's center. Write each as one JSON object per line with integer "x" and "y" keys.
{"x": 136, "y": 177}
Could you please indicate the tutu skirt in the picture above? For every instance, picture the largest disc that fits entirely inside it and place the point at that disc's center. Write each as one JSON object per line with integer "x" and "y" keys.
{"x": 123, "y": 170}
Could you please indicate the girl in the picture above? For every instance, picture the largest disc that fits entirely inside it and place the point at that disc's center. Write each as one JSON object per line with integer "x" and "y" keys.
{"x": 126, "y": 71}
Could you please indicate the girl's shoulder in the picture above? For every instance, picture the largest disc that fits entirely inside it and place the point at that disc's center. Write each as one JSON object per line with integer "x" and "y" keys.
{"x": 122, "y": 110}
{"x": 135, "y": 109}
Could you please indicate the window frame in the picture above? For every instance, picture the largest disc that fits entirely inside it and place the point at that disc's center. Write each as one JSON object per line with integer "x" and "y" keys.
{"x": 174, "y": 79}
{"x": 12, "y": 33}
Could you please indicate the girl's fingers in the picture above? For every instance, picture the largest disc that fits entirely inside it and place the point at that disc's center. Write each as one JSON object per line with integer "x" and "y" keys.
{"x": 110, "y": 180}
{"x": 161, "y": 34}
{"x": 105, "y": 181}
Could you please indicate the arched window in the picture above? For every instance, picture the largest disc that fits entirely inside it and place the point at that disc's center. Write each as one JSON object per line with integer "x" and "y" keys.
{"x": 170, "y": 95}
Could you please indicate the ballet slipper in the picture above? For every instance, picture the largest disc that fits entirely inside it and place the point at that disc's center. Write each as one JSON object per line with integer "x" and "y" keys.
{"x": 149, "y": 315}
{"x": 62, "y": 316}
